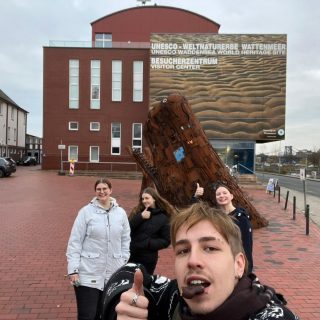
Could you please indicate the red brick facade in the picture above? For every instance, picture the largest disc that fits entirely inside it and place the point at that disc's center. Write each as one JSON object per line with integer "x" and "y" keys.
{"x": 130, "y": 29}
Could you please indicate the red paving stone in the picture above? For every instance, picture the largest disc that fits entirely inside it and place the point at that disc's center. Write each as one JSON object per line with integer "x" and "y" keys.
{"x": 37, "y": 210}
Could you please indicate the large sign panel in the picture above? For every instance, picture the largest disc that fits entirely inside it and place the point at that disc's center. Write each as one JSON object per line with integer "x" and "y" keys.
{"x": 236, "y": 84}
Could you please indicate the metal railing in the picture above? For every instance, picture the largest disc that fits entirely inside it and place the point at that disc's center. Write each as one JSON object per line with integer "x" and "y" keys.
{"x": 107, "y": 166}
{"x": 98, "y": 44}
{"x": 243, "y": 166}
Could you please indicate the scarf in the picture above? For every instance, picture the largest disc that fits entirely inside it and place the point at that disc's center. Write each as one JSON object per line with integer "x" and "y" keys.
{"x": 247, "y": 299}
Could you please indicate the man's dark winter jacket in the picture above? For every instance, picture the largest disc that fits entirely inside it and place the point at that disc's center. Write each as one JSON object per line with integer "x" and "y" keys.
{"x": 250, "y": 300}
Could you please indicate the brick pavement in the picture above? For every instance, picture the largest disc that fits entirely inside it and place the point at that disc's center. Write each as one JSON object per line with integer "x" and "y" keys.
{"x": 37, "y": 210}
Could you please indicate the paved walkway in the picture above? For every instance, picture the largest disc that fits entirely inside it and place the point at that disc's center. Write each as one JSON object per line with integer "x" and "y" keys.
{"x": 37, "y": 210}
{"x": 312, "y": 201}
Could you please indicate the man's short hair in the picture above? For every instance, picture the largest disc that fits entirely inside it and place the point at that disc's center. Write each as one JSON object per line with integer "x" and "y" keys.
{"x": 223, "y": 223}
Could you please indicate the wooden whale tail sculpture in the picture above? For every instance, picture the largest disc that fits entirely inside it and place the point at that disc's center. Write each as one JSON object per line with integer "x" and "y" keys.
{"x": 179, "y": 155}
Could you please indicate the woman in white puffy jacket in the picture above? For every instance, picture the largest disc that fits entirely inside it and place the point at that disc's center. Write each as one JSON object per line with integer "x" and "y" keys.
{"x": 99, "y": 244}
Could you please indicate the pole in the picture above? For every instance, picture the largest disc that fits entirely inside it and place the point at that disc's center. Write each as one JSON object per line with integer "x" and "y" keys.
{"x": 61, "y": 172}
{"x": 304, "y": 196}
{"x": 286, "y": 203}
{"x": 294, "y": 208}
{"x": 61, "y": 161}
{"x": 307, "y": 219}
{"x": 61, "y": 157}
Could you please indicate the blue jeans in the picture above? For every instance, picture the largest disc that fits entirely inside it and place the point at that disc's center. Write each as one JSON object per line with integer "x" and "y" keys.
{"x": 87, "y": 302}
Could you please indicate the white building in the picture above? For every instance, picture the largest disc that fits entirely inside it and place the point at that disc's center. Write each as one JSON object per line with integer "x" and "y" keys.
{"x": 13, "y": 128}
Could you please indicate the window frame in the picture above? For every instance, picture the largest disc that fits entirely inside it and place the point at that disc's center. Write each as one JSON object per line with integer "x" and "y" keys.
{"x": 90, "y": 154}
{"x": 116, "y": 87}
{"x": 137, "y": 90}
{"x": 105, "y": 40}
{"x": 74, "y": 70}
{"x": 12, "y": 113}
{"x": 115, "y": 141}
{"x": 137, "y": 138}
{"x": 75, "y": 123}
{"x": 69, "y": 153}
{"x": 95, "y": 84}
{"x": 91, "y": 126}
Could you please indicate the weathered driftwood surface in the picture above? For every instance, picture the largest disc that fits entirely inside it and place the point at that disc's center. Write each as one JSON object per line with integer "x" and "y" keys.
{"x": 179, "y": 155}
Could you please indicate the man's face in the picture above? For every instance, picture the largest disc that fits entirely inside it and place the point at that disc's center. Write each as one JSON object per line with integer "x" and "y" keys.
{"x": 202, "y": 254}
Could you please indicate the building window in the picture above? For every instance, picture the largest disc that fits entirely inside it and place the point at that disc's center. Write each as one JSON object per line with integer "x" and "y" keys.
{"x": 95, "y": 84}
{"x": 137, "y": 136}
{"x": 73, "y": 125}
{"x": 73, "y": 84}
{"x": 115, "y": 138}
{"x": 138, "y": 81}
{"x": 15, "y": 134}
{"x": 94, "y": 126}
{"x": 94, "y": 154}
{"x": 103, "y": 40}
{"x": 1, "y": 109}
{"x": 12, "y": 113}
{"x": 72, "y": 153}
{"x": 116, "y": 80}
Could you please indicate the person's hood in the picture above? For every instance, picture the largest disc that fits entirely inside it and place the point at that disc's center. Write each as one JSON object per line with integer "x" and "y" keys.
{"x": 96, "y": 202}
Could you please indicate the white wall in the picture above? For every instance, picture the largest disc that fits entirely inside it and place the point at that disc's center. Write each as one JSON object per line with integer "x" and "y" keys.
{"x": 3, "y": 126}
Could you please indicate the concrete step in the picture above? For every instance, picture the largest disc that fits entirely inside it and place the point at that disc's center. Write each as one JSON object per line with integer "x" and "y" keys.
{"x": 129, "y": 175}
{"x": 249, "y": 181}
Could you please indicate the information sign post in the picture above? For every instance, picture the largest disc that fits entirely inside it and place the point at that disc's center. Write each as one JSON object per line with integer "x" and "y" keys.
{"x": 61, "y": 147}
{"x": 303, "y": 179}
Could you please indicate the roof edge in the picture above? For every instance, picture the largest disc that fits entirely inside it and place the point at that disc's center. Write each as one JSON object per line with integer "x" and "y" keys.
{"x": 157, "y": 6}
{"x": 7, "y": 99}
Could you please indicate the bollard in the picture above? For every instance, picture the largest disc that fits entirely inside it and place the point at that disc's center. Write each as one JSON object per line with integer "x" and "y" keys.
{"x": 278, "y": 194}
{"x": 307, "y": 219}
{"x": 287, "y": 197}
{"x": 294, "y": 208}
{"x": 274, "y": 190}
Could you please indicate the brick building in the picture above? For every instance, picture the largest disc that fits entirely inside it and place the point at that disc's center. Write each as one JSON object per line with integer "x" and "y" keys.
{"x": 96, "y": 94}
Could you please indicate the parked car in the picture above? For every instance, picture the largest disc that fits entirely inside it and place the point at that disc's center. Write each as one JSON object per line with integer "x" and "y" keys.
{"x": 27, "y": 161}
{"x": 6, "y": 167}
{"x": 10, "y": 160}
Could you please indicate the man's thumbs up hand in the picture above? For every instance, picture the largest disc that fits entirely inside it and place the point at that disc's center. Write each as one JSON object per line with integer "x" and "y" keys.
{"x": 133, "y": 304}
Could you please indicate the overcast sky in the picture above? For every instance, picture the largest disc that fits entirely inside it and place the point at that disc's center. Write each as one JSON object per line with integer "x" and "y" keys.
{"x": 28, "y": 25}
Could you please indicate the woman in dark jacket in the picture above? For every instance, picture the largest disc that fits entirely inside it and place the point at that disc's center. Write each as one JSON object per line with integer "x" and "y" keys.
{"x": 241, "y": 217}
{"x": 150, "y": 230}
